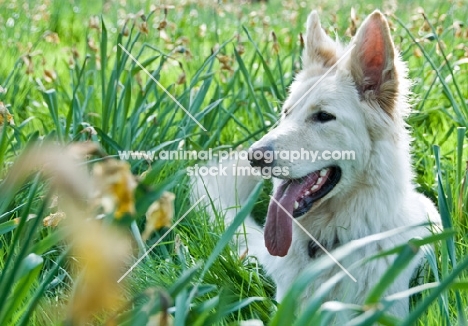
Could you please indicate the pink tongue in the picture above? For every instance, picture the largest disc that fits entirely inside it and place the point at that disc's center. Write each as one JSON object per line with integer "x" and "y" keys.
{"x": 278, "y": 227}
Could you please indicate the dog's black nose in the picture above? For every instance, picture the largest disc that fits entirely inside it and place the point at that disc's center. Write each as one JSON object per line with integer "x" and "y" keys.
{"x": 261, "y": 156}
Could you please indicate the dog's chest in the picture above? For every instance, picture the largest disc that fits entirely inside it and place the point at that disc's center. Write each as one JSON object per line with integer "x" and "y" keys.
{"x": 285, "y": 270}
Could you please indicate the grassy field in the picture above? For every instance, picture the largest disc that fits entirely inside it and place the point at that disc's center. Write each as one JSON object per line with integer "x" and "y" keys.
{"x": 69, "y": 91}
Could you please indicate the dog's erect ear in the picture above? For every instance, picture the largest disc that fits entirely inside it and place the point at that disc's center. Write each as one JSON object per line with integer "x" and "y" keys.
{"x": 372, "y": 62}
{"x": 319, "y": 47}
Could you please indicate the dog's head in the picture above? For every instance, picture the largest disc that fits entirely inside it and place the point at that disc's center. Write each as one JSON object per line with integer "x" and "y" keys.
{"x": 343, "y": 101}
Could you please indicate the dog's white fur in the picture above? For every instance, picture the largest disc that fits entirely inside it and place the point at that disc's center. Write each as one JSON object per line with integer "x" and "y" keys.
{"x": 375, "y": 193}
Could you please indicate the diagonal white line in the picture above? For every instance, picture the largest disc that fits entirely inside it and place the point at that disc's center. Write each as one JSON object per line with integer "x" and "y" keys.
{"x": 275, "y": 124}
{"x": 160, "y": 239}
{"x": 323, "y": 76}
{"x": 315, "y": 240}
{"x": 162, "y": 87}
{"x": 317, "y": 82}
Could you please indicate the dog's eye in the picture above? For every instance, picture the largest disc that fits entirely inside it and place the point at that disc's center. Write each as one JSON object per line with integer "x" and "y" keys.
{"x": 323, "y": 116}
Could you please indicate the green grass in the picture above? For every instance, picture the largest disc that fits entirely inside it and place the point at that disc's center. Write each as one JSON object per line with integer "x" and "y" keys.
{"x": 222, "y": 64}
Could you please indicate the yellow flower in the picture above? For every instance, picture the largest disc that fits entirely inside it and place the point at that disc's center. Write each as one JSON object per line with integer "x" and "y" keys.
{"x": 115, "y": 186}
{"x": 159, "y": 214}
{"x": 54, "y": 219}
{"x": 102, "y": 254}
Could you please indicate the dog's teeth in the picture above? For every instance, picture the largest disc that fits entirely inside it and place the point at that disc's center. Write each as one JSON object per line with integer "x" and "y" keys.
{"x": 323, "y": 172}
{"x": 307, "y": 193}
{"x": 315, "y": 187}
{"x": 319, "y": 180}
{"x": 296, "y": 205}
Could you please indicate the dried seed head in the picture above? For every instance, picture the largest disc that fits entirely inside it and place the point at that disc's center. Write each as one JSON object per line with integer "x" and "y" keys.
{"x": 181, "y": 79}
{"x": 53, "y": 219}
{"x": 89, "y": 130}
{"x": 163, "y": 35}
{"x": 351, "y": 31}
{"x": 417, "y": 52}
{"x": 28, "y": 62}
{"x": 202, "y": 30}
{"x": 125, "y": 31}
{"x": 224, "y": 59}
{"x": 5, "y": 116}
{"x": 457, "y": 27}
{"x": 140, "y": 13}
{"x": 275, "y": 43}
{"x": 92, "y": 44}
{"x": 441, "y": 47}
{"x": 94, "y": 23}
{"x": 226, "y": 67}
{"x": 51, "y": 37}
{"x": 162, "y": 25}
{"x": 183, "y": 40}
{"x": 144, "y": 28}
{"x": 71, "y": 62}
{"x": 75, "y": 53}
{"x": 50, "y": 75}
{"x": 240, "y": 49}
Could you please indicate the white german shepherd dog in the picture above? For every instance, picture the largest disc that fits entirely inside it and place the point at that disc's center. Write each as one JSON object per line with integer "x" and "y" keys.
{"x": 359, "y": 105}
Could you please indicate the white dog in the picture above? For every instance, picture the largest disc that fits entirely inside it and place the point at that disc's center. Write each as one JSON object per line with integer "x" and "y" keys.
{"x": 345, "y": 99}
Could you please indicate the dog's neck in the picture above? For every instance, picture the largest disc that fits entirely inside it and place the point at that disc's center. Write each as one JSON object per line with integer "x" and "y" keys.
{"x": 386, "y": 181}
